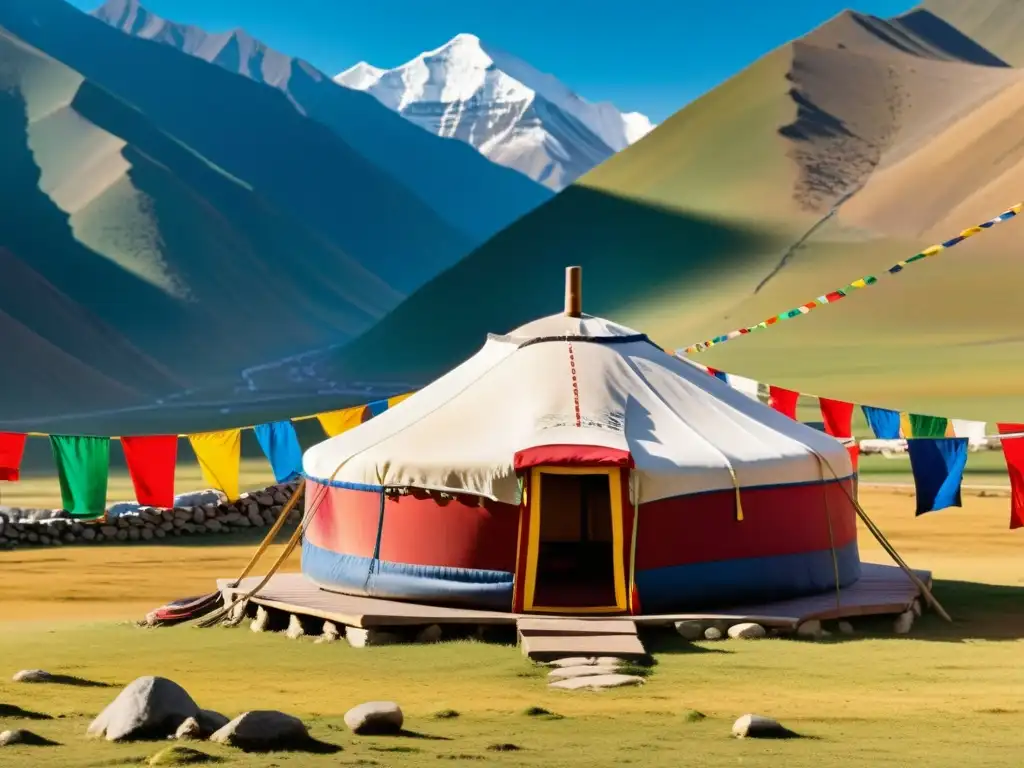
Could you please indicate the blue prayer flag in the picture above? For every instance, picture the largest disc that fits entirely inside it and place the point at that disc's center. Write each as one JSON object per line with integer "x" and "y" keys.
{"x": 377, "y": 407}
{"x": 884, "y": 423}
{"x": 281, "y": 446}
{"x": 938, "y": 466}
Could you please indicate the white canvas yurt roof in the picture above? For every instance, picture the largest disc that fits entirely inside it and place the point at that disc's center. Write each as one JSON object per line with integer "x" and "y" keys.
{"x": 585, "y": 381}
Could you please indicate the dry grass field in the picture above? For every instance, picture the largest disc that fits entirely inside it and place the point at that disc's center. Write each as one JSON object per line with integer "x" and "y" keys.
{"x": 948, "y": 695}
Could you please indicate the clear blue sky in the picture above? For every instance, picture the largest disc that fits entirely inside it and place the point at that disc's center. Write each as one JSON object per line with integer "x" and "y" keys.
{"x": 653, "y": 56}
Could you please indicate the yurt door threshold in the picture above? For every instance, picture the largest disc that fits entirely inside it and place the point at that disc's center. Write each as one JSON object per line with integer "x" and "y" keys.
{"x": 574, "y": 551}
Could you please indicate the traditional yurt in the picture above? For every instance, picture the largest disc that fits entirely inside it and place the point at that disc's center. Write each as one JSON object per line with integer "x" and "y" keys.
{"x": 572, "y": 466}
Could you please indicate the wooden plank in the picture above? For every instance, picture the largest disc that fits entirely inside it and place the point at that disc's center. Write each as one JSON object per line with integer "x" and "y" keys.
{"x": 294, "y": 593}
{"x": 550, "y": 647}
{"x": 563, "y": 626}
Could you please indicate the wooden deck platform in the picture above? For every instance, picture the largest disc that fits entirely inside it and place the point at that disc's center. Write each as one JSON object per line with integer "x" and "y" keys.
{"x": 882, "y": 589}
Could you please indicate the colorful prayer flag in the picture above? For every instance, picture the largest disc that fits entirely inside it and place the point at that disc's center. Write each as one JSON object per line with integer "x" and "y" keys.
{"x": 393, "y": 401}
{"x": 83, "y": 465}
{"x": 377, "y": 407}
{"x": 854, "y": 451}
{"x": 938, "y": 467}
{"x": 974, "y": 431}
{"x": 281, "y": 446}
{"x": 927, "y": 426}
{"x": 336, "y": 422}
{"x": 783, "y": 401}
{"x": 12, "y": 450}
{"x": 742, "y": 384}
{"x": 151, "y": 461}
{"x": 838, "y": 417}
{"x": 1013, "y": 453}
{"x": 220, "y": 457}
{"x": 883, "y": 422}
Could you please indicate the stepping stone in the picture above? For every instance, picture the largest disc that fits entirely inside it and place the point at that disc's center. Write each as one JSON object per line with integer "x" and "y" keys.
{"x": 549, "y": 647}
{"x": 597, "y": 682}
{"x": 573, "y": 661}
{"x": 585, "y": 670}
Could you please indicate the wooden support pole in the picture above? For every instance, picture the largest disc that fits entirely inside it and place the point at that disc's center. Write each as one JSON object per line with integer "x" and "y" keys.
{"x": 573, "y": 291}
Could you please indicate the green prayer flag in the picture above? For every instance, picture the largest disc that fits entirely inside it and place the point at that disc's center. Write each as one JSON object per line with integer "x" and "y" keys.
{"x": 83, "y": 465}
{"x": 927, "y": 426}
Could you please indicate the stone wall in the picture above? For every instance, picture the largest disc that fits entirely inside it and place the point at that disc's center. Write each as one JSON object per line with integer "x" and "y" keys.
{"x": 257, "y": 509}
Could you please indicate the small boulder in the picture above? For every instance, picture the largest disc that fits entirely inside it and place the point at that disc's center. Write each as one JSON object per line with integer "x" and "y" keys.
{"x": 178, "y": 755}
{"x": 330, "y": 631}
{"x": 262, "y": 730}
{"x": 713, "y": 633}
{"x": 262, "y": 620}
{"x": 747, "y": 631}
{"x": 189, "y": 730}
{"x": 759, "y": 727}
{"x": 690, "y": 630}
{"x": 431, "y": 634}
{"x": 916, "y": 607}
{"x": 148, "y": 708}
{"x": 597, "y": 682}
{"x": 295, "y": 629}
{"x": 375, "y": 718}
{"x": 32, "y": 676}
{"x": 211, "y": 721}
{"x": 845, "y": 628}
{"x": 903, "y": 623}
{"x": 810, "y": 629}
{"x": 24, "y": 738}
{"x": 358, "y": 637}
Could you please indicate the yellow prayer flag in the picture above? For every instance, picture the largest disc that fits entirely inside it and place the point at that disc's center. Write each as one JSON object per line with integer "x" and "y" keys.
{"x": 336, "y": 422}
{"x": 393, "y": 401}
{"x": 905, "y": 428}
{"x": 220, "y": 455}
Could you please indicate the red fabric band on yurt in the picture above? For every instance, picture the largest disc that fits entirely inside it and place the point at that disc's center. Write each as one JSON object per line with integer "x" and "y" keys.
{"x": 473, "y": 536}
{"x": 572, "y": 455}
{"x": 777, "y": 520}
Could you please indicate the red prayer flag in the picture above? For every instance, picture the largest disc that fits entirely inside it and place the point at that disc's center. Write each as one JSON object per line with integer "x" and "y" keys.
{"x": 838, "y": 417}
{"x": 1013, "y": 452}
{"x": 783, "y": 401}
{"x": 12, "y": 448}
{"x": 854, "y": 451}
{"x": 151, "y": 462}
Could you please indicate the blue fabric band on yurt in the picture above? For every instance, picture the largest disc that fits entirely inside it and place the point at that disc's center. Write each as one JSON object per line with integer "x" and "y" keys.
{"x": 725, "y": 583}
{"x": 400, "y": 581}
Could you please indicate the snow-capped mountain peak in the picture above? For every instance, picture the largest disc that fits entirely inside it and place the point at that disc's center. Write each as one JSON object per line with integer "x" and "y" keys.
{"x": 511, "y": 112}
{"x": 361, "y": 76}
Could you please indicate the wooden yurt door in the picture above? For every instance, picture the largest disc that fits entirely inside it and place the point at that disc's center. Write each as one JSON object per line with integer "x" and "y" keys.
{"x": 574, "y": 550}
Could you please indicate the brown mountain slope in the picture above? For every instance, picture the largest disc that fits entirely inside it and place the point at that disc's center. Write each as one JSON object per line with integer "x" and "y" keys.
{"x": 830, "y": 158}
{"x": 998, "y": 25}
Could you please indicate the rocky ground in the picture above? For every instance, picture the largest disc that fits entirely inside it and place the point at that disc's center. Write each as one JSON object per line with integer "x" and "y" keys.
{"x": 205, "y": 512}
